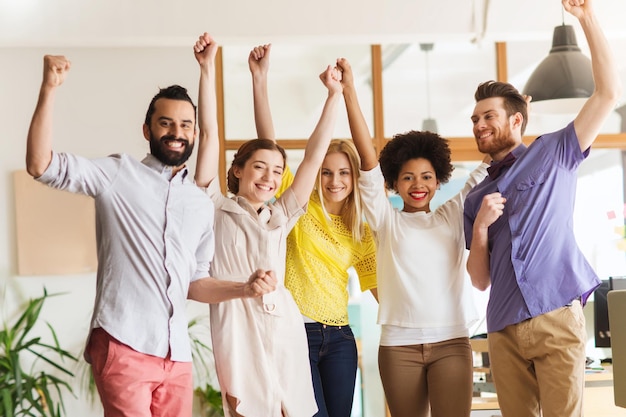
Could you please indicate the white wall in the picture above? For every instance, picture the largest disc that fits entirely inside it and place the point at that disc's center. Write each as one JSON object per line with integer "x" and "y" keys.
{"x": 99, "y": 110}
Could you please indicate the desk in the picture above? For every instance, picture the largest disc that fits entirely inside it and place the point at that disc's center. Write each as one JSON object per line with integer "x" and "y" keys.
{"x": 598, "y": 397}
{"x": 485, "y": 403}
{"x": 487, "y": 400}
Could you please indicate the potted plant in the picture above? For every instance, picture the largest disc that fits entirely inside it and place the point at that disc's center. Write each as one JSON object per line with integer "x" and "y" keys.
{"x": 210, "y": 401}
{"x": 209, "y": 397}
{"x": 32, "y": 390}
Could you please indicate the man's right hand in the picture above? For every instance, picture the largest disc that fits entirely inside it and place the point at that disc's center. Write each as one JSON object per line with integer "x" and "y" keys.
{"x": 55, "y": 68}
{"x": 205, "y": 49}
{"x": 491, "y": 208}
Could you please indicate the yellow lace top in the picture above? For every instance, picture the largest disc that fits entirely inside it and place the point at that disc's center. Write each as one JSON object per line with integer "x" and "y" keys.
{"x": 319, "y": 254}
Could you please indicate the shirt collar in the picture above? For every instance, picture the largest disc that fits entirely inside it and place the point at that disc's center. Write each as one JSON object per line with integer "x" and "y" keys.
{"x": 496, "y": 167}
{"x": 164, "y": 170}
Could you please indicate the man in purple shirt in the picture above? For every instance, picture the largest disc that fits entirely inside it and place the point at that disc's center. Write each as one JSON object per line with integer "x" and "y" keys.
{"x": 518, "y": 227}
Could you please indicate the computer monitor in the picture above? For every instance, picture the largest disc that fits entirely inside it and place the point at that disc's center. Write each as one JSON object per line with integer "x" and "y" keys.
{"x": 601, "y": 312}
{"x": 617, "y": 314}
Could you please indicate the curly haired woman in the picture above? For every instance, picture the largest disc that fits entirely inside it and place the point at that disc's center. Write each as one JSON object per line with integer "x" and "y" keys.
{"x": 426, "y": 306}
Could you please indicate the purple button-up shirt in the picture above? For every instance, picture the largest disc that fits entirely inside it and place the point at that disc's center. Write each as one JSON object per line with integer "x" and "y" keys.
{"x": 535, "y": 263}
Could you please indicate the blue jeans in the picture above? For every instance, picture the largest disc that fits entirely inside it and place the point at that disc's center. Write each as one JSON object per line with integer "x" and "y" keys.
{"x": 333, "y": 357}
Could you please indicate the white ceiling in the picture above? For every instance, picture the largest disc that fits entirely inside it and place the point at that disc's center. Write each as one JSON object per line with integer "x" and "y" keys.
{"x": 162, "y": 22}
{"x": 463, "y": 32}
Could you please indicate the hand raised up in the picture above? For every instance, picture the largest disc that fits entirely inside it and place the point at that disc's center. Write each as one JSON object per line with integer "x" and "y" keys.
{"x": 331, "y": 77}
{"x": 205, "y": 49}
{"x": 55, "y": 69}
{"x": 259, "y": 59}
{"x": 347, "y": 77}
{"x": 578, "y": 8}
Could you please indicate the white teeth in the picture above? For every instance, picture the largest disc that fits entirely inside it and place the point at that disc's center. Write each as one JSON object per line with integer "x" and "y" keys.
{"x": 174, "y": 144}
{"x": 264, "y": 187}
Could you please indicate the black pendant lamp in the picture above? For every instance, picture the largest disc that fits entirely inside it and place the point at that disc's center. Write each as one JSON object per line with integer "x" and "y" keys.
{"x": 564, "y": 73}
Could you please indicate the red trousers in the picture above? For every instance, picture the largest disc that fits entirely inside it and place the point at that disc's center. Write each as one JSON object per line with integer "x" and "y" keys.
{"x": 133, "y": 384}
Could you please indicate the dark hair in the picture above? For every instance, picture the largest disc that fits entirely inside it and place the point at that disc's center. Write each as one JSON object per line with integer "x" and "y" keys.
{"x": 514, "y": 102}
{"x": 244, "y": 153}
{"x": 173, "y": 92}
{"x": 413, "y": 145}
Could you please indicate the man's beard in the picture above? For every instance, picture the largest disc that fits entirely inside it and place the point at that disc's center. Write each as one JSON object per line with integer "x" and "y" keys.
{"x": 503, "y": 140}
{"x": 171, "y": 158}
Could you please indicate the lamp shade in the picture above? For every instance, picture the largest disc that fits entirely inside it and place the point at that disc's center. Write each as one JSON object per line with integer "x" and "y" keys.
{"x": 430, "y": 125}
{"x": 564, "y": 73}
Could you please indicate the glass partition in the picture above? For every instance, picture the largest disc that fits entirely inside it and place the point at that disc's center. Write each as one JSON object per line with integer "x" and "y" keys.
{"x": 296, "y": 93}
{"x": 599, "y": 212}
{"x": 439, "y": 84}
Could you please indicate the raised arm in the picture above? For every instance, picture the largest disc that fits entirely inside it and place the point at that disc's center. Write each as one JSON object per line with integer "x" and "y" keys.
{"x": 358, "y": 127}
{"x": 608, "y": 87}
{"x": 259, "y": 63}
{"x": 317, "y": 145}
{"x": 205, "y": 50}
{"x": 39, "y": 140}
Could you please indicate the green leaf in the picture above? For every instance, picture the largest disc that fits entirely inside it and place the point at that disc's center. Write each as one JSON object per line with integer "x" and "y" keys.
{"x": 28, "y": 393}
{"x": 49, "y": 361}
{"x": 7, "y": 404}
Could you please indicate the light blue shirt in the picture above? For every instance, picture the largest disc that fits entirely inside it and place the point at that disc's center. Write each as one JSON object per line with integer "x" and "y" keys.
{"x": 535, "y": 263}
{"x": 154, "y": 236}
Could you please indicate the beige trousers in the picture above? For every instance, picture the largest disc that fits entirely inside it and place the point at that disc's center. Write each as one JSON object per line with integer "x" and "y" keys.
{"x": 538, "y": 365}
{"x": 431, "y": 376}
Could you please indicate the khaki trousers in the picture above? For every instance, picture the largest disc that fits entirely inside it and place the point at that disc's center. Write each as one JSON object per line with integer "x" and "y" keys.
{"x": 538, "y": 365}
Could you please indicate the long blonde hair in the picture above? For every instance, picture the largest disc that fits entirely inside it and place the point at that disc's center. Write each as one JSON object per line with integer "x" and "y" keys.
{"x": 352, "y": 212}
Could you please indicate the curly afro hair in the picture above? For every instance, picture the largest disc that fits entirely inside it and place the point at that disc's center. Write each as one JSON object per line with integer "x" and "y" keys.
{"x": 412, "y": 145}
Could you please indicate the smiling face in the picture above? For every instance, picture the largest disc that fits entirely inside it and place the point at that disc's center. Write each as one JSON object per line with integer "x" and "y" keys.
{"x": 417, "y": 184}
{"x": 260, "y": 176}
{"x": 171, "y": 131}
{"x": 336, "y": 181}
{"x": 493, "y": 129}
